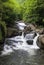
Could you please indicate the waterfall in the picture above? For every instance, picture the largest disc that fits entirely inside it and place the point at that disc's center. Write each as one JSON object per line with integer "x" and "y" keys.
{"x": 21, "y": 26}
{"x": 24, "y": 40}
{"x": 35, "y": 40}
{"x": 25, "y": 45}
{"x": 20, "y": 42}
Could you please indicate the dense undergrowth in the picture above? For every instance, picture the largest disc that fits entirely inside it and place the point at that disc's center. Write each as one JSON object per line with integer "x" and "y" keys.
{"x": 31, "y": 11}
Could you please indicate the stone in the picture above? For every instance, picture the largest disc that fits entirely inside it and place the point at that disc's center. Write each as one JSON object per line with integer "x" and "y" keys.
{"x": 40, "y": 41}
{"x": 40, "y": 31}
{"x": 29, "y": 28}
{"x": 29, "y": 42}
{"x": 12, "y": 32}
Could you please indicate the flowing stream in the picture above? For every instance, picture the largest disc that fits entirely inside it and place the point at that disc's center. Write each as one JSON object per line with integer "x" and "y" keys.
{"x": 18, "y": 52}
{"x": 19, "y": 42}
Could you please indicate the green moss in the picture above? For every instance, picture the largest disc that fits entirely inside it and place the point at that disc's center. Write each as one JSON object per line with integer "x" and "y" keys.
{"x": 0, "y": 35}
{"x": 2, "y": 30}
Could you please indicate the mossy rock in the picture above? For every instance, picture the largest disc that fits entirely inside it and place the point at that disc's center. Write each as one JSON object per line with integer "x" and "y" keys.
{"x": 2, "y": 31}
{"x": 2, "y": 34}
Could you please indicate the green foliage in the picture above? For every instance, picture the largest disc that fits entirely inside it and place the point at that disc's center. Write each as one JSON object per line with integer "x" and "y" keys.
{"x": 27, "y": 10}
{"x": 40, "y": 10}
{"x": 0, "y": 35}
{"x": 33, "y": 11}
{"x": 3, "y": 31}
{"x": 10, "y": 11}
{"x": 30, "y": 15}
{"x": 3, "y": 24}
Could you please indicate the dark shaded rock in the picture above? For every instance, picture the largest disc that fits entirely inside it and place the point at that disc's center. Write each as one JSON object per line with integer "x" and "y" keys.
{"x": 29, "y": 42}
{"x": 1, "y": 47}
{"x": 16, "y": 33}
{"x": 13, "y": 32}
{"x": 27, "y": 30}
{"x": 40, "y": 41}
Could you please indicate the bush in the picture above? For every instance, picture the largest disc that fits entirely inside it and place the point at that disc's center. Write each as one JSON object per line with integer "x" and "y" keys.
{"x": 3, "y": 31}
{"x": 10, "y": 11}
{"x": 31, "y": 11}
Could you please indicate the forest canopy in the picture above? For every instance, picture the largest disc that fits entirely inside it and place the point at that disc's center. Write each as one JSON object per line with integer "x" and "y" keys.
{"x": 31, "y": 11}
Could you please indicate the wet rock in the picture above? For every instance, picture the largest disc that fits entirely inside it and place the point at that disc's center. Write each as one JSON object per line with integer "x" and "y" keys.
{"x": 40, "y": 41}
{"x": 29, "y": 42}
{"x": 40, "y": 31}
{"x": 32, "y": 27}
{"x": 13, "y": 32}
{"x": 29, "y": 28}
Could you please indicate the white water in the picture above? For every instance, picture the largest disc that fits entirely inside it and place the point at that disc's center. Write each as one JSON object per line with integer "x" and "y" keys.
{"x": 26, "y": 46}
{"x": 20, "y": 43}
{"x": 21, "y": 26}
{"x": 35, "y": 40}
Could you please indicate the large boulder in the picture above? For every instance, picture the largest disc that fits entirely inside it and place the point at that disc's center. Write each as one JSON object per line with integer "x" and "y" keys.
{"x": 29, "y": 28}
{"x": 40, "y": 41}
{"x": 40, "y": 31}
{"x": 32, "y": 27}
{"x": 11, "y": 32}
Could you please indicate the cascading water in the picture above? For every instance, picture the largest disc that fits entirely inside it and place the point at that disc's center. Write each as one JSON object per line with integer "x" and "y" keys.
{"x": 23, "y": 39}
{"x": 21, "y": 27}
{"x": 19, "y": 42}
{"x": 26, "y": 46}
{"x": 35, "y": 40}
